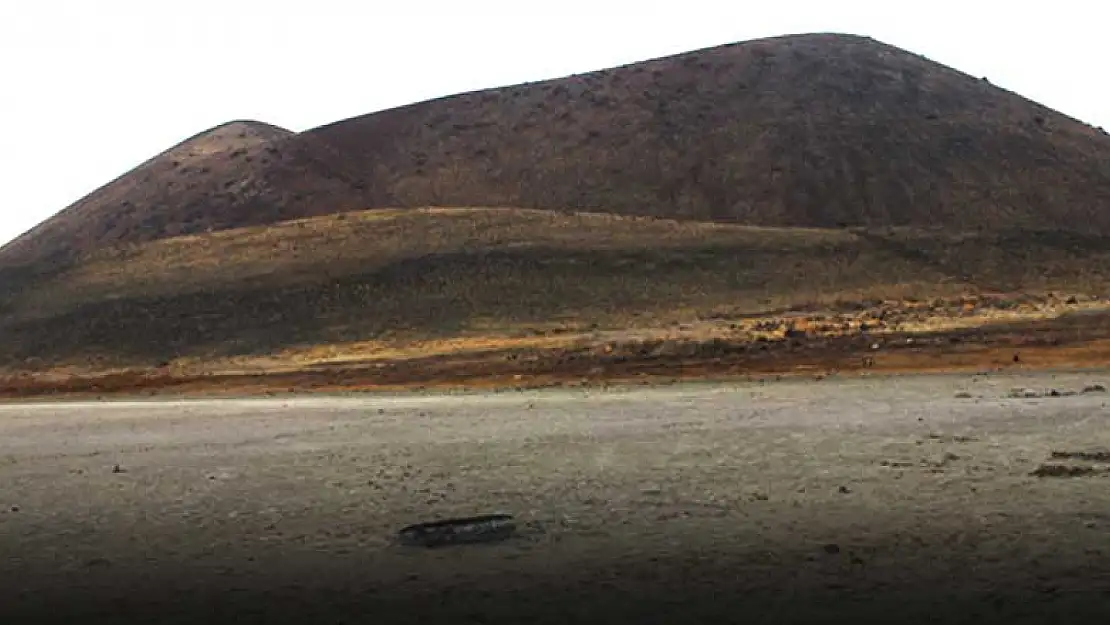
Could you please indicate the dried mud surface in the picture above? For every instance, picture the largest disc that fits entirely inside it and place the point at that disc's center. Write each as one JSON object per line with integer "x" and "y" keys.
{"x": 944, "y": 498}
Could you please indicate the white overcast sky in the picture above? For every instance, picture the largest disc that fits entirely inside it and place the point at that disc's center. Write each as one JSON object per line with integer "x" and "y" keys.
{"x": 91, "y": 88}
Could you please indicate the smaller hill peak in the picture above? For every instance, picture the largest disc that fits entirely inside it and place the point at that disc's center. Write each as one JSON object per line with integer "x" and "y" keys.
{"x": 228, "y": 136}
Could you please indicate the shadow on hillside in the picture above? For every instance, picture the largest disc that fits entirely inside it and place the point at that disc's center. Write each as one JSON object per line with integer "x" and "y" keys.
{"x": 1015, "y": 244}
{"x": 446, "y": 294}
{"x": 16, "y": 279}
{"x": 432, "y": 296}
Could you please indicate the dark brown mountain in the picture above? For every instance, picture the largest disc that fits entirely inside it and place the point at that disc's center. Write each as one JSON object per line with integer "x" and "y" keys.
{"x": 815, "y": 130}
{"x": 811, "y": 173}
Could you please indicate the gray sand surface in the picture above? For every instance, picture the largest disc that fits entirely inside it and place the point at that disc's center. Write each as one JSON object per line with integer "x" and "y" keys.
{"x": 798, "y": 501}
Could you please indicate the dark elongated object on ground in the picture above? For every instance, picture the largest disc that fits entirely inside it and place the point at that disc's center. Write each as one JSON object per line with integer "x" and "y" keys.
{"x": 467, "y": 530}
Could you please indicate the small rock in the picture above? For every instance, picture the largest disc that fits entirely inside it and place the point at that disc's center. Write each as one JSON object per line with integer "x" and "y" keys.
{"x": 117, "y": 469}
{"x": 1101, "y": 455}
{"x": 1062, "y": 470}
{"x": 15, "y": 508}
{"x": 1094, "y": 388}
{"x": 844, "y": 490}
{"x": 831, "y": 548}
{"x": 963, "y": 395}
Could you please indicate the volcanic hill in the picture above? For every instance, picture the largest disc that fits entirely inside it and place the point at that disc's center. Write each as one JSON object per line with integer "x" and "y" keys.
{"x": 741, "y": 179}
{"x": 799, "y": 131}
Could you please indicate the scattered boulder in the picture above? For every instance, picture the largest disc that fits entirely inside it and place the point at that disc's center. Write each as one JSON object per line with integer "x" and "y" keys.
{"x": 1094, "y": 455}
{"x": 1058, "y": 393}
{"x": 947, "y": 459}
{"x": 1064, "y": 470}
{"x": 1094, "y": 388}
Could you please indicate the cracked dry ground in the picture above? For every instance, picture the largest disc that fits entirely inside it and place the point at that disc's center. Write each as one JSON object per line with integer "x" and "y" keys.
{"x": 921, "y": 498}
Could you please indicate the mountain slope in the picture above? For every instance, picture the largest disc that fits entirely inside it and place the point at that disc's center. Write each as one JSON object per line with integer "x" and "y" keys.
{"x": 809, "y": 131}
{"x": 815, "y": 130}
{"x": 369, "y": 281}
{"x": 236, "y": 174}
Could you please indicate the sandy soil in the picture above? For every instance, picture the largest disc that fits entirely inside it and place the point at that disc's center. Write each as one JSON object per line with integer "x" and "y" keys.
{"x": 910, "y": 339}
{"x": 909, "y": 498}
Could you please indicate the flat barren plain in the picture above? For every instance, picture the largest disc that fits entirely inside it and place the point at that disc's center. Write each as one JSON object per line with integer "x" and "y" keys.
{"x": 923, "y": 498}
